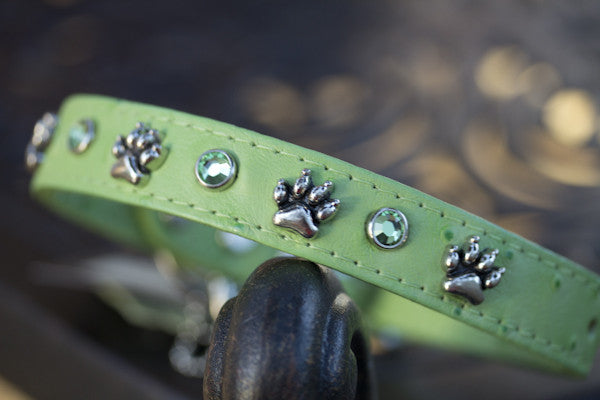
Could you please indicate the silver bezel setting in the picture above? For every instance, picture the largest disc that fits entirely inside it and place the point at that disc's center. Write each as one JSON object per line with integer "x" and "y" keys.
{"x": 230, "y": 178}
{"x": 374, "y": 239}
{"x": 90, "y": 134}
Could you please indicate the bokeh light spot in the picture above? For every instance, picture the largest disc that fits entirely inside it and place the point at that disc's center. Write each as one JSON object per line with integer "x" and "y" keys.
{"x": 538, "y": 82}
{"x": 274, "y": 103}
{"x": 570, "y": 116}
{"x": 498, "y": 71}
{"x": 338, "y": 101}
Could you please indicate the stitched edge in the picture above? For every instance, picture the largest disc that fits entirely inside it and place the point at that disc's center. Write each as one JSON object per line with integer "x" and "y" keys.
{"x": 501, "y": 323}
{"x": 531, "y": 336}
{"x": 533, "y": 255}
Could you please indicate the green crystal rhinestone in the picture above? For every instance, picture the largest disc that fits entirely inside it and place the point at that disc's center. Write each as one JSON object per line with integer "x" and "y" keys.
{"x": 81, "y": 135}
{"x": 388, "y": 228}
{"x": 215, "y": 169}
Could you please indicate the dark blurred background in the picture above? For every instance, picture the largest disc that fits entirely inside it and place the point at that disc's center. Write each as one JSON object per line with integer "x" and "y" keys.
{"x": 491, "y": 106}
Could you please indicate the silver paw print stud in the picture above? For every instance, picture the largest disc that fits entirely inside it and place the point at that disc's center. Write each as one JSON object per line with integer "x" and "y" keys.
{"x": 472, "y": 271}
{"x": 137, "y": 154}
{"x": 304, "y": 206}
{"x": 42, "y": 134}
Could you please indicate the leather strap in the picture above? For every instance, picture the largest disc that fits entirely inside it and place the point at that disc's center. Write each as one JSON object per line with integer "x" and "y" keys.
{"x": 543, "y": 313}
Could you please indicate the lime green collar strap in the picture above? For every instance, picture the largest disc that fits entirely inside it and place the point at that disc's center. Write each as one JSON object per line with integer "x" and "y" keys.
{"x": 485, "y": 290}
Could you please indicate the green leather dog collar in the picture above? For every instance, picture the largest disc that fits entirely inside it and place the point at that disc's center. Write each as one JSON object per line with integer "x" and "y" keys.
{"x": 543, "y": 312}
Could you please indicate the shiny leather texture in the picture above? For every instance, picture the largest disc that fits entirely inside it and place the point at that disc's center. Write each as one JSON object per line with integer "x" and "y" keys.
{"x": 544, "y": 312}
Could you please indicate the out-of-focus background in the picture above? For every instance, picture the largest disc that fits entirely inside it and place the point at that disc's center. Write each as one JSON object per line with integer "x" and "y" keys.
{"x": 492, "y": 106}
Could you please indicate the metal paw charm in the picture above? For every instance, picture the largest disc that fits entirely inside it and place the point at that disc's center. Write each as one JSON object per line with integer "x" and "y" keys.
{"x": 470, "y": 272}
{"x": 42, "y": 134}
{"x": 303, "y": 206}
{"x": 137, "y": 154}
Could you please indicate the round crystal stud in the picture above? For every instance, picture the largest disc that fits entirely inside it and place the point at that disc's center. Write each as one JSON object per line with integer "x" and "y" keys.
{"x": 388, "y": 228}
{"x": 81, "y": 135}
{"x": 215, "y": 169}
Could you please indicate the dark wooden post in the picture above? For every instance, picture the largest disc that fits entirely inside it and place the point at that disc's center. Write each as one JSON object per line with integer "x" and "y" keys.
{"x": 291, "y": 333}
